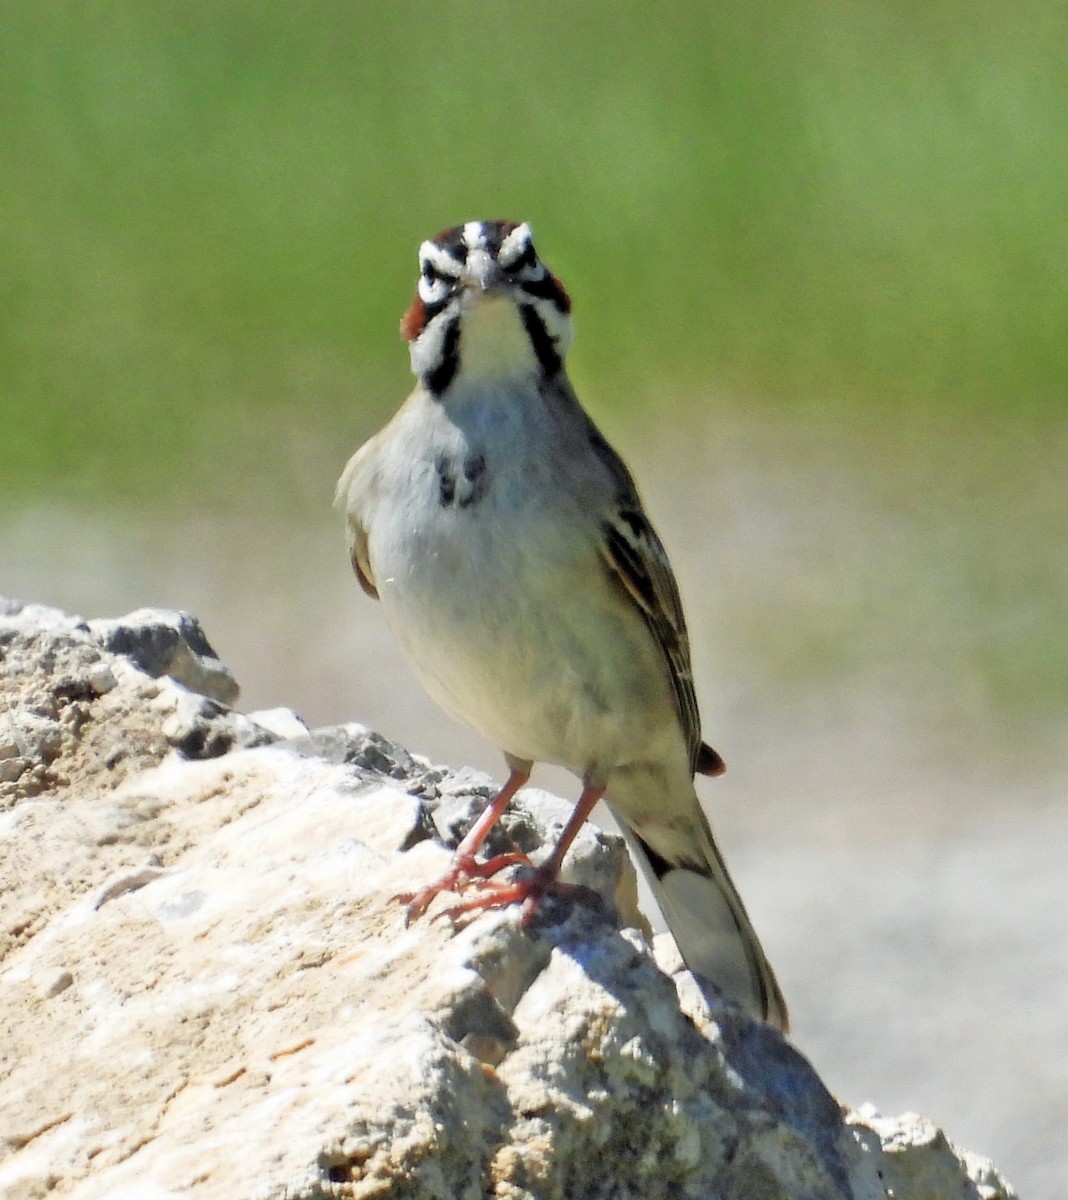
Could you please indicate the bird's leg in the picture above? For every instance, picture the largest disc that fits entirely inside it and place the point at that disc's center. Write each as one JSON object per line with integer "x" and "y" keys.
{"x": 464, "y": 866}
{"x": 529, "y": 889}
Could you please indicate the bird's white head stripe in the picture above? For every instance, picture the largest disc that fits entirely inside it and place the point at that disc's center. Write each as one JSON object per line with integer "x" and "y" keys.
{"x": 515, "y": 244}
{"x": 439, "y": 258}
{"x": 475, "y": 235}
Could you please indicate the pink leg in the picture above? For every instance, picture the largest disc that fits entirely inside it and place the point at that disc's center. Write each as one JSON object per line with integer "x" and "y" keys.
{"x": 464, "y": 866}
{"x": 543, "y": 879}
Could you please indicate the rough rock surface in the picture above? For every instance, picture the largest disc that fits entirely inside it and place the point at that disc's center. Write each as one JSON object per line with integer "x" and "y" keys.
{"x": 208, "y": 990}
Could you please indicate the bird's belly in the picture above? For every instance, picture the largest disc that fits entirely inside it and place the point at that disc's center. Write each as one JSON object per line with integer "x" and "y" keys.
{"x": 514, "y": 626}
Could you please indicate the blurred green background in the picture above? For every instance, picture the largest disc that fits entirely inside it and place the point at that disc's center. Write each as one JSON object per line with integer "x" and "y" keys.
{"x": 818, "y": 252}
{"x": 210, "y": 214}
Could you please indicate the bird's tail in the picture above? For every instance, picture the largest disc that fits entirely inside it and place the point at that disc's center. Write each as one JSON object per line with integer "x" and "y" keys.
{"x": 706, "y": 915}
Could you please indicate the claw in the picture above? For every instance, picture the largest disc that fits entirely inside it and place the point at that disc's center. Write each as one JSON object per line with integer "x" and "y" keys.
{"x": 465, "y": 869}
{"x": 527, "y": 890}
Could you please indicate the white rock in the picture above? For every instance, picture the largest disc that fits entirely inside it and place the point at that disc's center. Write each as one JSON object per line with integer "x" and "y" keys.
{"x": 208, "y": 990}
{"x": 282, "y": 722}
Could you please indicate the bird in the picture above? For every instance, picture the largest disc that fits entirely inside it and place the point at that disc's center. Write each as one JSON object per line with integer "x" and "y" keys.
{"x": 524, "y": 584}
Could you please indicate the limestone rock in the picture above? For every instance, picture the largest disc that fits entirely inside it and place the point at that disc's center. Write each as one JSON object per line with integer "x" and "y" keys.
{"x": 209, "y": 990}
{"x": 169, "y": 643}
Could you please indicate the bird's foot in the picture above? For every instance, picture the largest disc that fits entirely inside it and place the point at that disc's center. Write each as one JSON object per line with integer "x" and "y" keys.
{"x": 527, "y": 889}
{"x": 465, "y": 869}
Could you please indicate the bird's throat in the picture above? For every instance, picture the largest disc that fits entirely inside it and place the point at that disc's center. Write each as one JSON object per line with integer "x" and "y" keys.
{"x": 495, "y": 346}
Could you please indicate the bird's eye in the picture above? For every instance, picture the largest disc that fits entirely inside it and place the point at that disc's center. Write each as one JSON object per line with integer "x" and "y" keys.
{"x": 430, "y": 273}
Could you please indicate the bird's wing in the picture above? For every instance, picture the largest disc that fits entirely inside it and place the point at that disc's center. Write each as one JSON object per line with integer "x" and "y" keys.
{"x": 351, "y": 489}
{"x": 636, "y": 556}
{"x": 361, "y": 562}
{"x": 634, "y": 553}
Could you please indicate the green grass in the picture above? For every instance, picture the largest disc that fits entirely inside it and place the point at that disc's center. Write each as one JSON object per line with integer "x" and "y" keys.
{"x": 210, "y": 212}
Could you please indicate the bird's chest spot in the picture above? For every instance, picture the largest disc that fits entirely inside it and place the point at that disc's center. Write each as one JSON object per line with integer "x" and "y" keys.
{"x": 462, "y": 480}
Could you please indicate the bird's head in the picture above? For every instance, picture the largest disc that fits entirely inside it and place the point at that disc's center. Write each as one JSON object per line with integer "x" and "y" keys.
{"x": 486, "y": 308}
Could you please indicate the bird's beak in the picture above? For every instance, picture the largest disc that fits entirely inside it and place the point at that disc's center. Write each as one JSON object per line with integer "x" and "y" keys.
{"x": 481, "y": 272}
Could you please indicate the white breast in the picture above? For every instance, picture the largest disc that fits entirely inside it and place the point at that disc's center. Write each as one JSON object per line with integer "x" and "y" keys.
{"x": 502, "y": 605}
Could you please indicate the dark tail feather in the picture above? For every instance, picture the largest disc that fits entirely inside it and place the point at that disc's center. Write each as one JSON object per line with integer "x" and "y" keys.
{"x": 708, "y": 920}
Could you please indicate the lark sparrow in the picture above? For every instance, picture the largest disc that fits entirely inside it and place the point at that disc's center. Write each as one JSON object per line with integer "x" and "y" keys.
{"x": 526, "y": 587}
